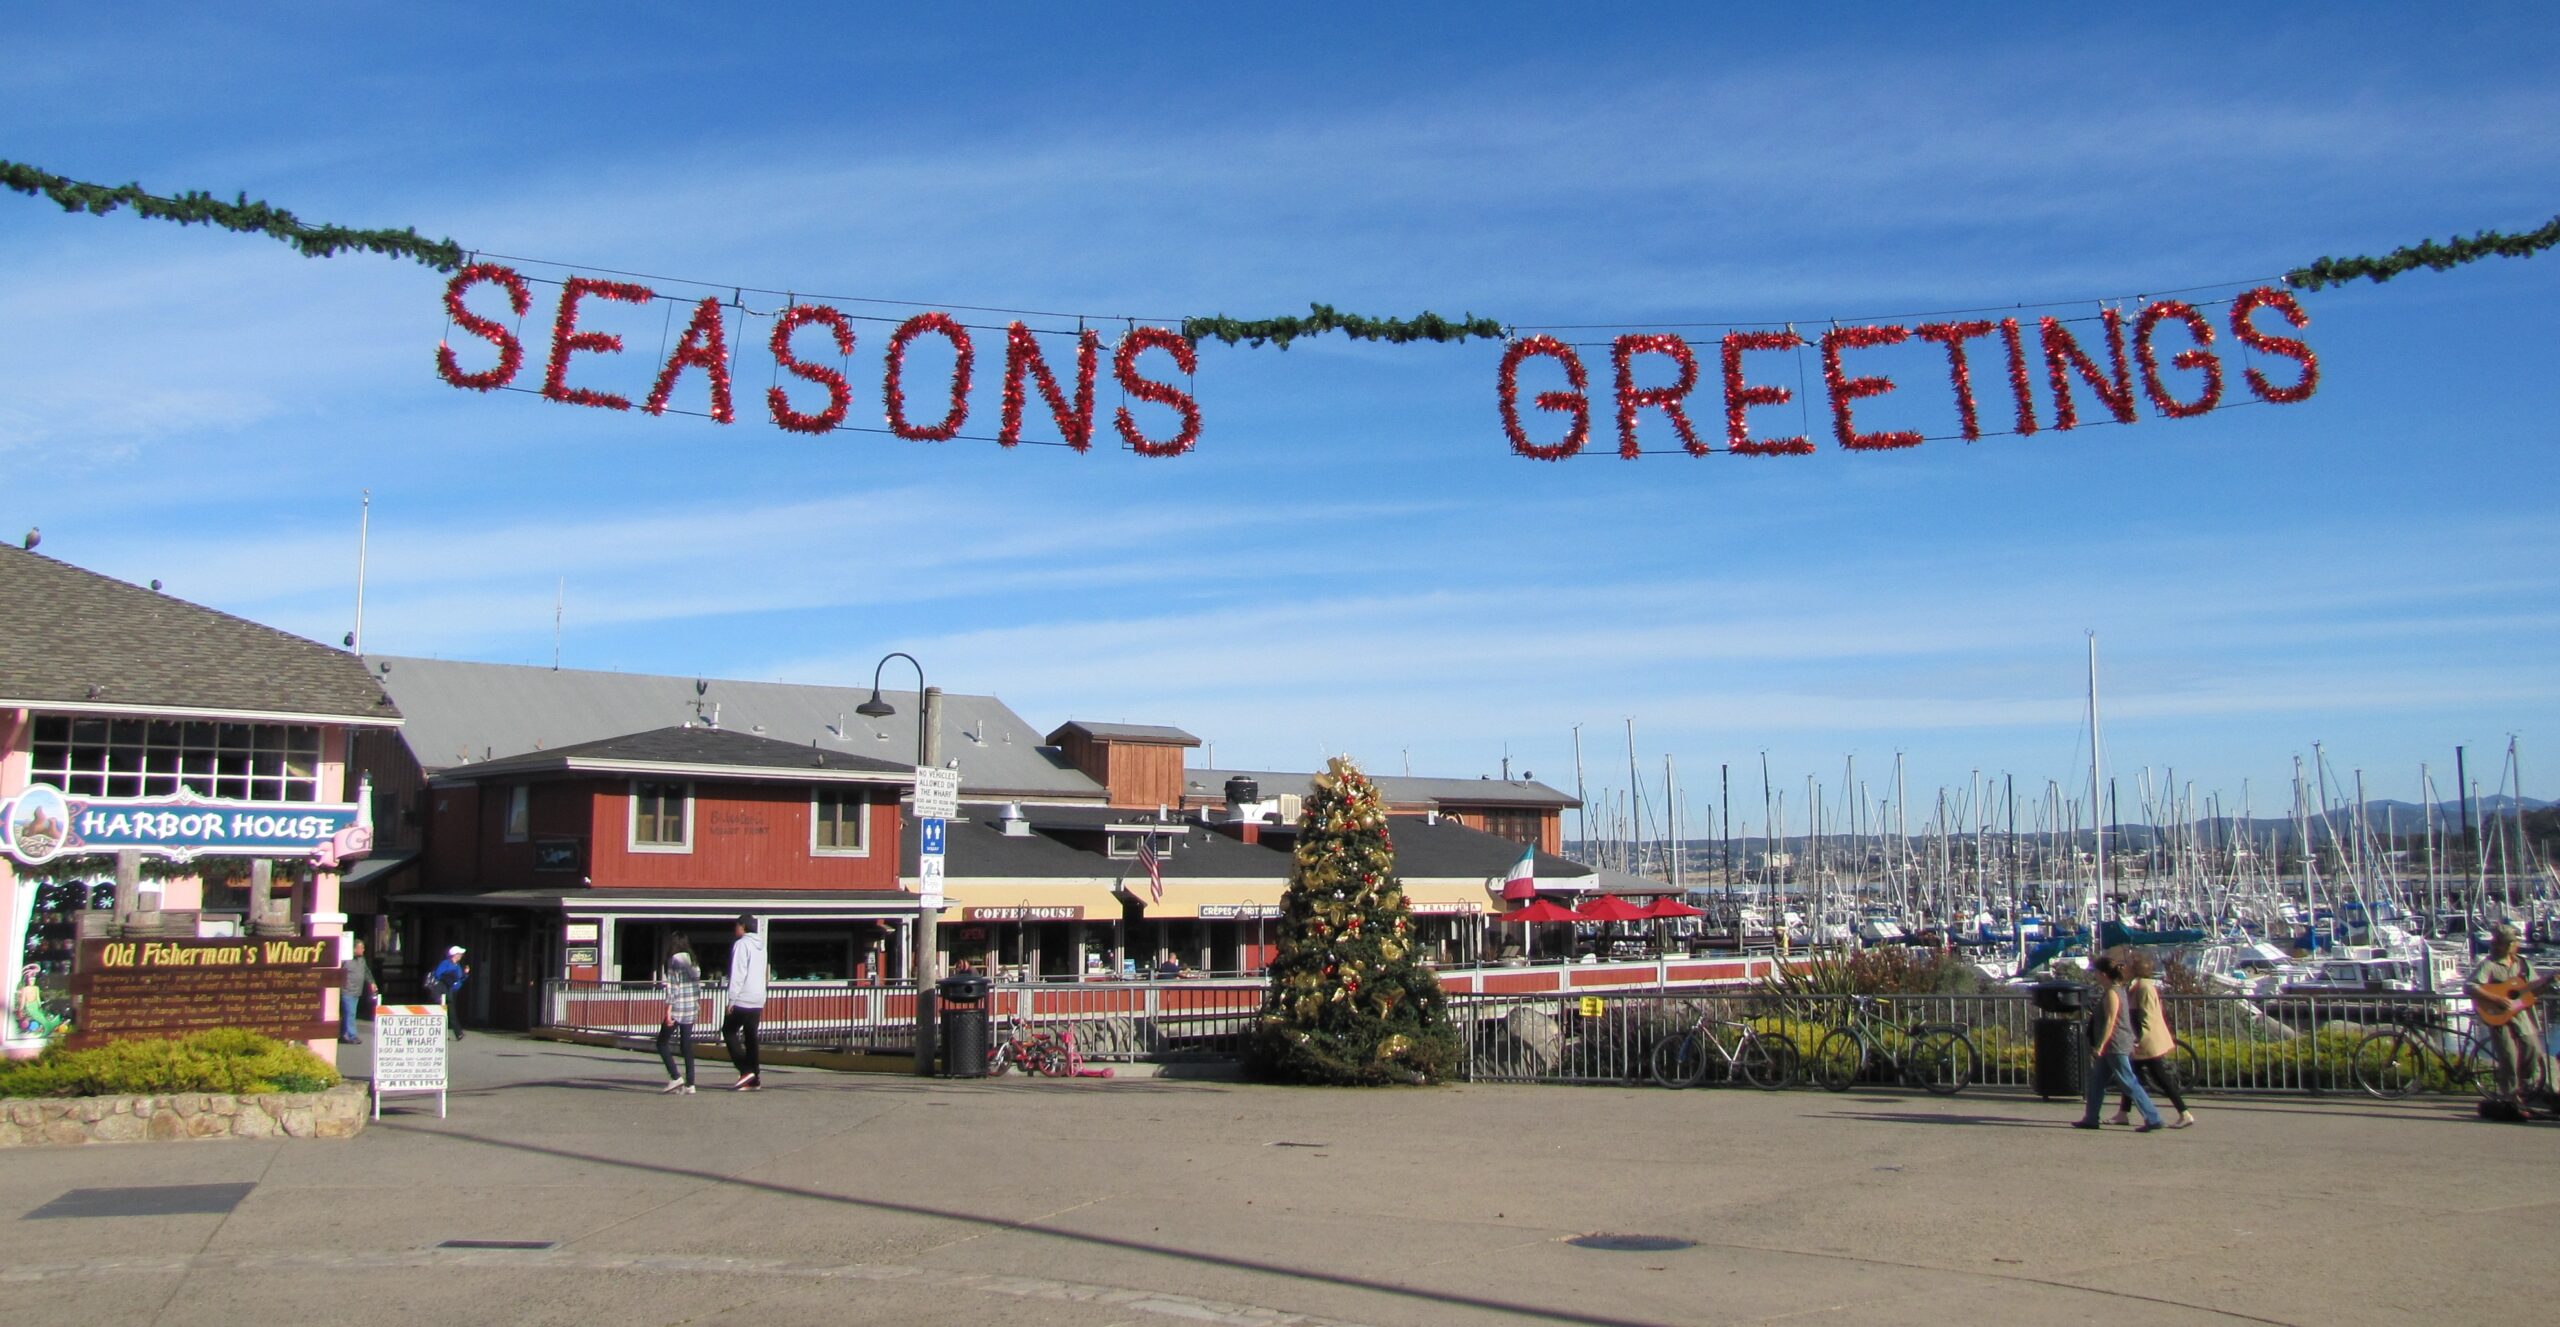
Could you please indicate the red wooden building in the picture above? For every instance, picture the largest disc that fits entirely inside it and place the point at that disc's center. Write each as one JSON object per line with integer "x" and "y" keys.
{"x": 584, "y": 860}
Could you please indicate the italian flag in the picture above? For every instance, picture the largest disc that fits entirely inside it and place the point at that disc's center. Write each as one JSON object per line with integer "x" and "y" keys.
{"x": 1522, "y": 884}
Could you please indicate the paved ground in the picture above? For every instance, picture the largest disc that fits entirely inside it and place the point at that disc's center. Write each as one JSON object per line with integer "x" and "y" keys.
{"x": 835, "y": 1198}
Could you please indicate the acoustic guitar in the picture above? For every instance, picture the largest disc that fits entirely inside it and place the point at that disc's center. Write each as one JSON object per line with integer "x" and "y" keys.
{"x": 2520, "y": 995}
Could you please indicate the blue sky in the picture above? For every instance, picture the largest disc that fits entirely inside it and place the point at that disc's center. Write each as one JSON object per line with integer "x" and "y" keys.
{"x": 1351, "y": 561}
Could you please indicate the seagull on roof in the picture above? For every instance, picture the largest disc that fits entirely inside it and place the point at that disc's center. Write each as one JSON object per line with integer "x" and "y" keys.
{"x": 34, "y": 537}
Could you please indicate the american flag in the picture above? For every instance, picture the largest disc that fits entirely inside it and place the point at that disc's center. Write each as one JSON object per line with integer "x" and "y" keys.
{"x": 1155, "y": 869}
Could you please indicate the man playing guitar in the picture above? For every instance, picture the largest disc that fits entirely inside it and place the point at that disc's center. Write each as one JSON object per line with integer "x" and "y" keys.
{"x": 2503, "y": 988}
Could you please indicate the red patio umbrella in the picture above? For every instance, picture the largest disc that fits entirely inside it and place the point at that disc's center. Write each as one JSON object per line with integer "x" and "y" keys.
{"x": 1667, "y": 906}
{"x": 1610, "y": 908}
{"x": 1536, "y": 910}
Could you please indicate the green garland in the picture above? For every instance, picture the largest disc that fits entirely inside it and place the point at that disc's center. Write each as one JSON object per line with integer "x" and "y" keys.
{"x": 196, "y": 208}
{"x": 2427, "y": 254}
{"x": 1323, "y": 318}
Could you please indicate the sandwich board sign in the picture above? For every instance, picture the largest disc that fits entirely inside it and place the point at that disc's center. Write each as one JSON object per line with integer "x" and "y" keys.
{"x": 408, "y": 1052}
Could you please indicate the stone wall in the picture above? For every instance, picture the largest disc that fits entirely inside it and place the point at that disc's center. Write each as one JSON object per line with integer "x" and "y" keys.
{"x": 72, "y": 1121}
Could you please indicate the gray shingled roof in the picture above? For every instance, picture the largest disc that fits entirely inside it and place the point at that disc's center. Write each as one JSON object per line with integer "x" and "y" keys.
{"x": 978, "y": 847}
{"x": 695, "y": 746}
{"x": 1398, "y": 789}
{"x": 78, "y": 637}
{"x": 459, "y": 712}
{"x": 1126, "y": 732}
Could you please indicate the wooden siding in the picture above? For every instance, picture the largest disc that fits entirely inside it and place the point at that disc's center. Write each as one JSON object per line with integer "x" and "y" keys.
{"x": 1144, "y": 775}
{"x": 399, "y": 817}
{"x": 1147, "y": 774}
{"x": 1550, "y": 823}
{"x": 745, "y": 837}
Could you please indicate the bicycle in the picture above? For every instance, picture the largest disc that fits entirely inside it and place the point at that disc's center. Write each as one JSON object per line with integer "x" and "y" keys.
{"x": 2395, "y": 1061}
{"x": 1015, "y": 1049}
{"x": 1938, "y": 1057}
{"x": 1766, "y": 1060}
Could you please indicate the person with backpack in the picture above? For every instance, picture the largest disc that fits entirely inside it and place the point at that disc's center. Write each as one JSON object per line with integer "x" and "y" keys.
{"x": 683, "y": 985}
{"x": 746, "y": 1004}
{"x": 2155, "y": 1046}
{"x": 444, "y": 981}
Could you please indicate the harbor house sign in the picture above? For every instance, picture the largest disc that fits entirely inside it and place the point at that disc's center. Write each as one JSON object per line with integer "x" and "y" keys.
{"x": 44, "y": 823}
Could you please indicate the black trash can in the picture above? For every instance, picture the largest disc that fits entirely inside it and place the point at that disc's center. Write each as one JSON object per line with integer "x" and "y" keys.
{"x": 2061, "y": 1040}
{"x": 963, "y": 999}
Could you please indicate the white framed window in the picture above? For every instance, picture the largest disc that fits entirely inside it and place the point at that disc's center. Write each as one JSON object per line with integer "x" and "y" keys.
{"x": 519, "y": 813}
{"x": 839, "y": 823}
{"x": 661, "y": 816}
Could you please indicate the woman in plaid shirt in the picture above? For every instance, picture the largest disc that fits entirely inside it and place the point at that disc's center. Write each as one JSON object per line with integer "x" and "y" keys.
{"x": 683, "y": 984}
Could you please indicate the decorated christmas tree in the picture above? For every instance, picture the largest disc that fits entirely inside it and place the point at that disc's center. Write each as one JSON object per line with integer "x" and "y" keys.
{"x": 1348, "y": 1003}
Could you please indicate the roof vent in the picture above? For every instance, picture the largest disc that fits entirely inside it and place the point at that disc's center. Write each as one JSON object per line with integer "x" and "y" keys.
{"x": 1242, "y": 791}
{"x": 1015, "y": 826}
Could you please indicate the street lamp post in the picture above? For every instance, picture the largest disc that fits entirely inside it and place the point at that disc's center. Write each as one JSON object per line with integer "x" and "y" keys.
{"x": 928, "y": 919}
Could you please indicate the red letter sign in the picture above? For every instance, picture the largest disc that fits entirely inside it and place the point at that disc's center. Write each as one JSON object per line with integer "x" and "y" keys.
{"x": 2268, "y": 297}
{"x": 1575, "y": 403}
{"x": 2062, "y": 351}
{"x": 1631, "y": 398}
{"x": 705, "y": 345}
{"x": 1022, "y": 356}
{"x": 1845, "y": 389}
{"x": 896, "y": 398}
{"x": 567, "y": 339}
{"x": 1124, "y": 366}
{"x": 2198, "y": 358}
{"x": 510, "y": 350}
{"x": 839, "y": 392}
{"x": 1738, "y": 398}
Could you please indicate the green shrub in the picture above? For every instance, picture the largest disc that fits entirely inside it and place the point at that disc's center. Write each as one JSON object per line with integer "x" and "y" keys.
{"x": 228, "y": 1060}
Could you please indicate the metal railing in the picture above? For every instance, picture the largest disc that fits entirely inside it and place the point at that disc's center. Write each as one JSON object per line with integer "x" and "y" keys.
{"x": 2228, "y": 1044}
{"x": 1120, "y": 1020}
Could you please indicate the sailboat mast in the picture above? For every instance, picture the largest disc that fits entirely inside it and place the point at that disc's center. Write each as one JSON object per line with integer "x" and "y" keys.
{"x": 2097, "y": 813}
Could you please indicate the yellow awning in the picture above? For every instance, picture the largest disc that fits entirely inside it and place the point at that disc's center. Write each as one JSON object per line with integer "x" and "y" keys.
{"x": 1444, "y": 898}
{"x": 1032, "y": 900}
{"x": 1221, "y": 899}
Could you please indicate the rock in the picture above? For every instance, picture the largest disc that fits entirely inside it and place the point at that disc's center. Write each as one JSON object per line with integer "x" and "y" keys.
{"x": 9, "y": 1135}
{"x": 165, "y": 1125}
{"x": 66, "y": 1132}
{"x": 208, "y": 1126}
{"x": 92, "y": 1109}
{"x": 125, "y": 1128}
{"x": 299, "y": 1122}
{"x": 252, "y": 1122}
{"x": 224, "y": 1105}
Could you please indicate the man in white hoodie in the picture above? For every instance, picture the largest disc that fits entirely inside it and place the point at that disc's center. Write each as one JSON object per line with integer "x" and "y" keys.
{"x": 746, "y": 1003}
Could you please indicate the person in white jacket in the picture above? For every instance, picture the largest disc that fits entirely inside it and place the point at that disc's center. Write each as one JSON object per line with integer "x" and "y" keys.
{"x": 746, "y": 1003}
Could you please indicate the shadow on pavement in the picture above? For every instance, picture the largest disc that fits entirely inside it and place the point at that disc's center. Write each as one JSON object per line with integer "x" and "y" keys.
{"x": 1541, "y": 1313}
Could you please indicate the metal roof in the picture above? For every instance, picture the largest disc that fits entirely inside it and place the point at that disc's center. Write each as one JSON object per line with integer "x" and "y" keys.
{"x": 1060, "y": 848}
{"x": 1398, "y": 789}
{"x": 1127, "y": 732}
{"x": 80, "y": 640}
{"x": 688, "y": 747}
{"x": 459, "y": 712}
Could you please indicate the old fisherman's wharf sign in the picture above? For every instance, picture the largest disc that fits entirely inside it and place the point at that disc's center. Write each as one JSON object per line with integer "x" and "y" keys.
{"x": 43, "y": 823}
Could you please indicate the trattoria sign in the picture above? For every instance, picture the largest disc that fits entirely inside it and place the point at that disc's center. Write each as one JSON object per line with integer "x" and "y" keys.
{"x": 43, "y": 823}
